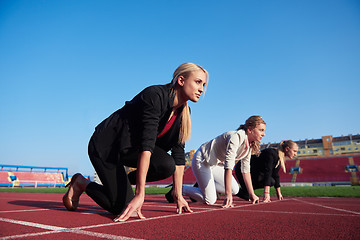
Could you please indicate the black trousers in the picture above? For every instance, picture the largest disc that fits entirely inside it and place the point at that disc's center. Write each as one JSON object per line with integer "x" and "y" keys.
{"x": 115, "y": 192}
{"x": 257, "y": 179}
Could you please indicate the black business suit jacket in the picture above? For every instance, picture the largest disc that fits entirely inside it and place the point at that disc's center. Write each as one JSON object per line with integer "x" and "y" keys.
{"x": 265, "y": 167}
{"x": 137, "y": 124}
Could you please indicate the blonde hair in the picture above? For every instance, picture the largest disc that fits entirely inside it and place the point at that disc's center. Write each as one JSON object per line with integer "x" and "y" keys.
{"x": 251, "y": 123}
{"x": 283, "y": 145}
{"x": 184, "y": 70}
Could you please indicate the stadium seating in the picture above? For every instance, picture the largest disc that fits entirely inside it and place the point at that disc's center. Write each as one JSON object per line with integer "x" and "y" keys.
{"x": 5, "y": 179}
{"x": 286, "y": 177}
{"x": 188, "y": 179}
{"x": 312, "y": 170}
{"x": 330, "y": 169}
{"x": 38, "y": 179}
{"x": 166, "y": 181}
{"x": 357, "y": 162}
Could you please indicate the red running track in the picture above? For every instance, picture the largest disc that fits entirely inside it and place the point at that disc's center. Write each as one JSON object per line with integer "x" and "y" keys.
{"x": 42, "y": 216}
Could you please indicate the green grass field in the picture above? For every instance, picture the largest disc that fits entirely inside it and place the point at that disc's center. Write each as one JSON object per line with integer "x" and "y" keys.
{"x": 326, "y": 191}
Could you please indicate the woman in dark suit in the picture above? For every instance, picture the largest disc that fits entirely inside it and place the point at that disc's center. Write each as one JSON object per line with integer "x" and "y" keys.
{"x": 139, "y": 135}
{"x": 265, "y": 169}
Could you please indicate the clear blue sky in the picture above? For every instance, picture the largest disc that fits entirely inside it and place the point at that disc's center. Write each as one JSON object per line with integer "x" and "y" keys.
{"x": 67, "y": 65}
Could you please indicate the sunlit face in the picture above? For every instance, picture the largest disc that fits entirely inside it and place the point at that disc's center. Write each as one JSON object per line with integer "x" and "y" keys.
{"x": 291, "y": 152}
{"x": 192, "y": 86}
{"x": 257, "y": 133}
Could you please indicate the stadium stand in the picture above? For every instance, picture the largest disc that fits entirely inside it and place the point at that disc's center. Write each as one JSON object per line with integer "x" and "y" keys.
{"x": 323, "y": 170}
{"x": 330, "y": 169}
{"x": 39, "y": 179}
{"x": 336, "y": 170}
{"x": 286, "y": 177}
{"x": 356, "y": 160}
{"x": 326, "y": 169}
{"x": 188, "y": 179}
{"x": 5, "y": 180}
{"x": 24, "y": 176}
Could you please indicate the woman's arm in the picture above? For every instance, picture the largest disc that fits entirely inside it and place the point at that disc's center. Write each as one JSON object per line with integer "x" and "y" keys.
{"x": 141, "y": 172}
{"x": 278, "y": 193}
{"x": 267, "y": 194}
{"x": 228, "y": 202}
{"x": 177, "y": 193}
{"x": 248, "y": 183}
{"x": 137, "y": 202}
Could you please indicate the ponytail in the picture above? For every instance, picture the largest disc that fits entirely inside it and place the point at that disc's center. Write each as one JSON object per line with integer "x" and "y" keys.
{"x": 283, "y": 145}
{"x": 282, "y": 157}
{"x": 184, "y": 70}
{"x": 185, "y": 127}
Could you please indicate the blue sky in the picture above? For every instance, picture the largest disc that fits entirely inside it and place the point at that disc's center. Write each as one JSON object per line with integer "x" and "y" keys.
{"x": 67, "y": 65}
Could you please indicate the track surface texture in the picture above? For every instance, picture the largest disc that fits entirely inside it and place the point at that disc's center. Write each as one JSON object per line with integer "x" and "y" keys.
{"x": 42, "y": 216}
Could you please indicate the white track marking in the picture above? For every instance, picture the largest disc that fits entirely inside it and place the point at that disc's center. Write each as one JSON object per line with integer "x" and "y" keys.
{"x": 103, "y": 235}
{"x": 55, "y": 229}
{"x": 92, "y": 234}
{"x": 79, "y": 230}
{"x": 31, "y": 224}
{"x": 168, "y": 216}
{"x": 26, "y": 235}
{"x": 28, "y": 210}
{"x": 299, "y": 213}
{"x": 319, "y": 205}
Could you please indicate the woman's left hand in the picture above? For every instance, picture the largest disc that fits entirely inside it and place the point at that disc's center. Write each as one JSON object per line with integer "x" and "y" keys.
{"x": 267, "y": 198}
{"x": 181, "y": 204}
{"x": 134, "y": 205}
{"x": 278, "y": 193}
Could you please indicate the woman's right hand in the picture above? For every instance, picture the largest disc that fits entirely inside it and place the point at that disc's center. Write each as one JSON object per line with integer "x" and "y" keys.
{"x": 254, "y": 199}
{"x": 181, "y": 204}
{"x": 228, "y": 202}
{"x": 134, "y": 205}
{"x": 137, "y": 202}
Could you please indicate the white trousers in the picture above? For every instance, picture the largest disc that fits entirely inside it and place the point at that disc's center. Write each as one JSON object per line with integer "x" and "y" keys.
{"x": 211, "y": 180}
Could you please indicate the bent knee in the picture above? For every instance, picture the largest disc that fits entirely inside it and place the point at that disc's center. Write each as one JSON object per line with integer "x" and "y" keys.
{"x": 210, "y": 200}
{"x": 164, "y": 171}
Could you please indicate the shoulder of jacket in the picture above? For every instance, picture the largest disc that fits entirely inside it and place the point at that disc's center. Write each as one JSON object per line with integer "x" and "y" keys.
{"x": 155, "y": 91}
{"x": 241, "y": 133}
{"x": 269, "y": 150}
{"x": 156, "y": 88}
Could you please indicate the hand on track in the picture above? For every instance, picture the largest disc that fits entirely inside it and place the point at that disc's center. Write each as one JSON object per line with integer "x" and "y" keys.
{"x": 228, "y": 202}
{"x": 254, "y": 199}
{"x": 133, "y": 207}
{"x": 181, "y": 204}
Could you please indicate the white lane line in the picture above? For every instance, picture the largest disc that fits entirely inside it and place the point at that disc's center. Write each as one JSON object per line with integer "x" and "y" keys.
{"x": 31, "y": 224}
{"x": 109, "y": 236}
{"x": 92, "y": 234}
{"x": 320, "y": 205}
{"x": 55, "y": 229}
{"x": 26, "y": 235}
{"x": 204, "y": 206}
{"x": 298, "y": 213}
{"x": 28, "y": 210}
{"x": 103, "y": 235}
{"x": 170, "y": 216}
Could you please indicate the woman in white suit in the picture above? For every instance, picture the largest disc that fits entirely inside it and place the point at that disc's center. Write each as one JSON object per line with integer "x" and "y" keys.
{"x": 214, "y": 161}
